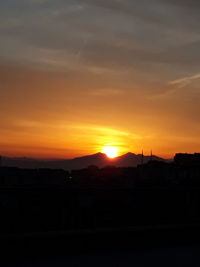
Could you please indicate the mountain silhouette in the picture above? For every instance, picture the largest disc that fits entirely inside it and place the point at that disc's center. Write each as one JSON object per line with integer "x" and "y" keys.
{"x": 99, "y": 159}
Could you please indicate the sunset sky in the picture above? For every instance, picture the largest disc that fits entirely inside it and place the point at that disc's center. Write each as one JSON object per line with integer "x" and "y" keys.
{"x": 76, "y": 75}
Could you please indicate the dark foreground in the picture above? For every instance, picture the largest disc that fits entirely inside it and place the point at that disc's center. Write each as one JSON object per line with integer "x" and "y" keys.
{"x": 144, "y": 216}
{"x": 173, "y": 245}
{"x": 169, "y": 256}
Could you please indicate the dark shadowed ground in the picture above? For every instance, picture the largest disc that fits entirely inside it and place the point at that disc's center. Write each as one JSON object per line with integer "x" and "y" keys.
{"x": 164, "y": 247}
{"x": 168, "y": 256}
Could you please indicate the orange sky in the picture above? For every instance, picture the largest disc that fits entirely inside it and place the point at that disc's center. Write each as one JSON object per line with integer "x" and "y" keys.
{"x": 71, "y": 82}
{"x": 48, "y": 116}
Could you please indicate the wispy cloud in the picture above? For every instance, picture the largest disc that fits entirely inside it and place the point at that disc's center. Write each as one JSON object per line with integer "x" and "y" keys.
{"x": 182, "y": 82}
{"x": 106, "y": 92}
{"x": 101, "y": 130}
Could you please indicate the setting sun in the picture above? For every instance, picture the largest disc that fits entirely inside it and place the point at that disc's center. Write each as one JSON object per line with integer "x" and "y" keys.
{"x": 110, "y": 151}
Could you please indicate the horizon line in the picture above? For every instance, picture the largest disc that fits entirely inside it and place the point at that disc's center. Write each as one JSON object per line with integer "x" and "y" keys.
{"x": 52, "y": 158}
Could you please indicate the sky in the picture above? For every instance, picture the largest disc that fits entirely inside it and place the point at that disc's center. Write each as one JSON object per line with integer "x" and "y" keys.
{"x": 76, "y": 75}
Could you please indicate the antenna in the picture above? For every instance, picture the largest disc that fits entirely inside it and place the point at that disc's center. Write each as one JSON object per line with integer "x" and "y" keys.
{"x": 142, "y": 158}
{"x": 151, "y": 155}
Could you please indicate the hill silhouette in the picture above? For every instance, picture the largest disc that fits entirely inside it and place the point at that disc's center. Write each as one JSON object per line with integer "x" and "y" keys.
{"x": 99, "y": 159}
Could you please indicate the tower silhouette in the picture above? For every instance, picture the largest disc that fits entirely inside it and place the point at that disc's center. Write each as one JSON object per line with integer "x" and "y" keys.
{"x": 142, "y": 158}
{"x": 151, "y": 156}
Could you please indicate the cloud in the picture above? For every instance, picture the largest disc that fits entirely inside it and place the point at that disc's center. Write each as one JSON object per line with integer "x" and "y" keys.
{"x": 100, "y": 129}
{"x": 182, "y": 82}
{"x": 132, "y": 35}
{"x": 106, "y": 92}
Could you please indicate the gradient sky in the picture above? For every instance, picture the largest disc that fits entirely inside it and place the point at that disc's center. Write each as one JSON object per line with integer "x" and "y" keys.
{"x": 78, "y": 74}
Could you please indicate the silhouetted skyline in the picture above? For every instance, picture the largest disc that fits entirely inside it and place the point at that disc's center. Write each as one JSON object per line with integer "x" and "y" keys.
{"x": 98, "y": 159}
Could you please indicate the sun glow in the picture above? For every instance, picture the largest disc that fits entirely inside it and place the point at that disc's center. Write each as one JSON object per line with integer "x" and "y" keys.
{"x": 110, "y": 151}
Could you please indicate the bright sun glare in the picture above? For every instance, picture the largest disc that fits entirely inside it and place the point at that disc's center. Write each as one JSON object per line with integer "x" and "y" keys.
{"x": 110, "y": 151}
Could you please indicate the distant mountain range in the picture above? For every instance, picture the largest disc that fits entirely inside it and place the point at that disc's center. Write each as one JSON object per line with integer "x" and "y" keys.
{"x": 98, "y": 159}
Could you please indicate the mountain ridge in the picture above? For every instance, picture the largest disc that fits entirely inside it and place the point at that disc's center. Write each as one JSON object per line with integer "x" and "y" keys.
{"x": 98, "y": 159}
